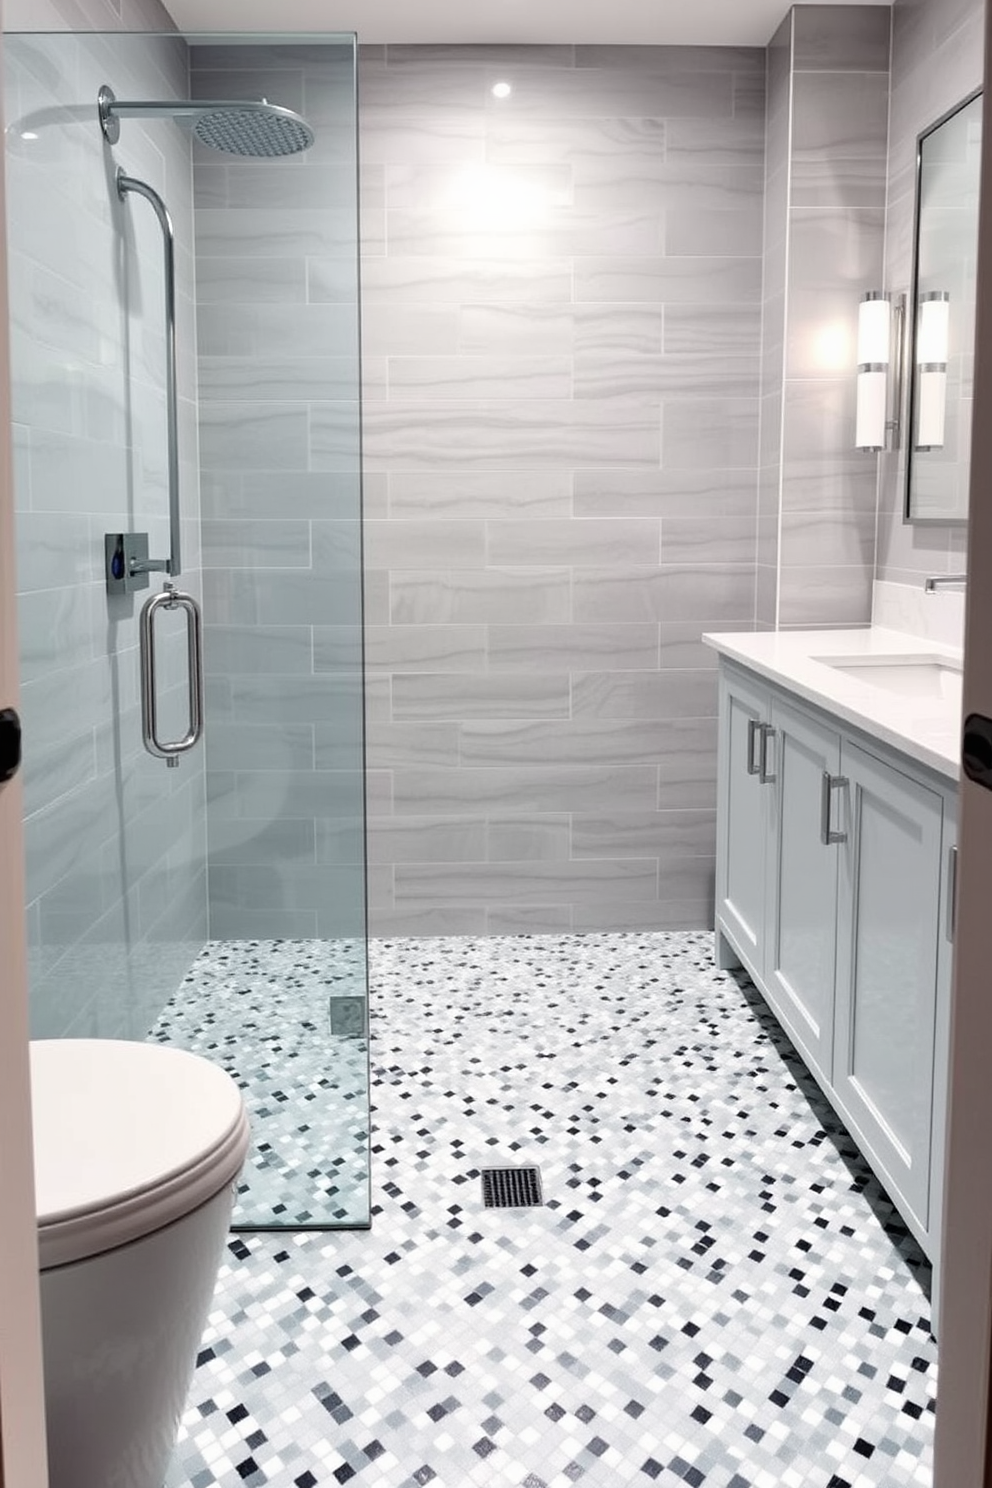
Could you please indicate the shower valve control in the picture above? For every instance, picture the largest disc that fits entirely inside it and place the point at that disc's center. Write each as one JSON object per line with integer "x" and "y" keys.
{"x": 126, "y": 556}
{"x": 10, "y": 744}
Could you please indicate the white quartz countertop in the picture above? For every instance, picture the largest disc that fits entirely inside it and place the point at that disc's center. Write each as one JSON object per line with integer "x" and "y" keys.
{"x": 926, "y": 729}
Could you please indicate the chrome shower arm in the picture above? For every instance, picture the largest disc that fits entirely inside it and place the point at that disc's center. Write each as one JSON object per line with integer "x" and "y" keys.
{"x": 172, "y": 564}
{"x": 182, "y": 108}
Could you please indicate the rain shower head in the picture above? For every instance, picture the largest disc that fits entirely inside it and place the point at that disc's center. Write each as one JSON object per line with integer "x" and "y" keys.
{"x": 241, "y": 127}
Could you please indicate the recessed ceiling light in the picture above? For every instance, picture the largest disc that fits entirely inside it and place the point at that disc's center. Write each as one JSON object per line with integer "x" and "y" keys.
{"x": 501, "y": 90}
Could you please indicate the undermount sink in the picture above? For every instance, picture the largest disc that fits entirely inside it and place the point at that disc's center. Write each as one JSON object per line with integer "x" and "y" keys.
{"x": 908, "y": 676}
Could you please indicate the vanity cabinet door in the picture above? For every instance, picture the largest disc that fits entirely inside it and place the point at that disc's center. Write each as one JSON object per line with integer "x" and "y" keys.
{"x": 888, "y": 942}
{"x": 744, "y": 816}
{"x": 800, "y": 955}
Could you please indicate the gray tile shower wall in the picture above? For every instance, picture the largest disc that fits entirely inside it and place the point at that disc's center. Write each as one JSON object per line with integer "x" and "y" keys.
{"x": 561, "y": 323}
{"x": 825, "y": 211}
{"x": 115, "y": 842}
{"x": 277, "y": 326}
{"x": 937, "y": 53}
{"x": 86, "y": 15}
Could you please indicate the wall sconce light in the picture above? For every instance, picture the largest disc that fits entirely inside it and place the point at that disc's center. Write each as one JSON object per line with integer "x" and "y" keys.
{"x": 881, "y": 332}
{"x": 874, "y": 350}
{"x": 932, "y": 335}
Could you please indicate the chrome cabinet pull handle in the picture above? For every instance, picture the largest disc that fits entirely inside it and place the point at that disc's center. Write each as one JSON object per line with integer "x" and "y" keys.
{"x": 765, "y": 775}
{"x": 952, "y": 892}
{"x": 753, "y": 727}
{"x": 170, "y": 599}
{"x": 827, "y": 835}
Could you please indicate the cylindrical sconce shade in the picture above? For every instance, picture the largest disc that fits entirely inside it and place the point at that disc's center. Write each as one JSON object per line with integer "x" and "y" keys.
{"x": 932, "y": 331}
{"x": 869, "y": 429}
{"x": 874, "y": 323}
{"x": 874, "y": 334}
{"x": 933, "y": 405}
{"x": 932, "y": 338}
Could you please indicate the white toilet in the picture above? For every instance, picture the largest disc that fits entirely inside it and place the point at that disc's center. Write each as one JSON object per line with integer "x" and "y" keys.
{"x": 137, "y": 1147}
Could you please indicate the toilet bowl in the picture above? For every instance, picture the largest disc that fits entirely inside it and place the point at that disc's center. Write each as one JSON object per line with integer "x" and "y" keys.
{"x": 137, "y": 1147}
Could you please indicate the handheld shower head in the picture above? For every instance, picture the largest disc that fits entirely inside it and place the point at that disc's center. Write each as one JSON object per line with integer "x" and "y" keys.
{"x": 240, "y": 126}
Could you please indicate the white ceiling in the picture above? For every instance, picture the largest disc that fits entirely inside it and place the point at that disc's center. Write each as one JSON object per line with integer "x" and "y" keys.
{"x": 621, "y": 22}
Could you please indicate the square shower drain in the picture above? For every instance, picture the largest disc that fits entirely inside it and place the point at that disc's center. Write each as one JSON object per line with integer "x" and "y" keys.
{"x": 511, "y": 1188}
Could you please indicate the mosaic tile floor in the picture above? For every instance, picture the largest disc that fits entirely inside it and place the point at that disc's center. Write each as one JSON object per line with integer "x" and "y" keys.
{"x": 287, "y": 1019}
{"x": 714, "y": 1293}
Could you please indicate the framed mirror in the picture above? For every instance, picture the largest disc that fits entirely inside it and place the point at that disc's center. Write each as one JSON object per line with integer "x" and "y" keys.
{"x": 941, "y": 316}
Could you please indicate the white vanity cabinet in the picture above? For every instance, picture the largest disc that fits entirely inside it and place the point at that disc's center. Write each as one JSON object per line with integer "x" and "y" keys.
{"x": 834, "y": 888}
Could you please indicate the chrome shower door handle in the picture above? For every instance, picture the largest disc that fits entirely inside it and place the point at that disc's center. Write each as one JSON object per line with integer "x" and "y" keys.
{"x": 171, "y": 599}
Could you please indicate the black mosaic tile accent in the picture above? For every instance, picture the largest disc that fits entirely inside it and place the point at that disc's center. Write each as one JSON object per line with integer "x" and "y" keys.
{"x": 716, "y": 1293}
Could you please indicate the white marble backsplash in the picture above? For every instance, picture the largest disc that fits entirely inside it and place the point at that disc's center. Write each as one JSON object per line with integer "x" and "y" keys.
{"x": 935, "y": 617}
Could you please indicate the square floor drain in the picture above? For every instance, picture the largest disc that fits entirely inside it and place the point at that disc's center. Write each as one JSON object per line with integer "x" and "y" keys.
{"x": 511, "y": 1188}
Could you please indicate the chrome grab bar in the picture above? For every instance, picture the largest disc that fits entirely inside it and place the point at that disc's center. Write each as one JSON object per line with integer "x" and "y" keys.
{"x": 170, "y": 599}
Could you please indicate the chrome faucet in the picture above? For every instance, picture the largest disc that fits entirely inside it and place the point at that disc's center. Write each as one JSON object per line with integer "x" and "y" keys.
{"x": 941, "y": 581}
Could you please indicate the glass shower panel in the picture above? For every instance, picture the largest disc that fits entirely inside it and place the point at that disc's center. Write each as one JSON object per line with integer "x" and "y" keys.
{"x": 237, "y": 928}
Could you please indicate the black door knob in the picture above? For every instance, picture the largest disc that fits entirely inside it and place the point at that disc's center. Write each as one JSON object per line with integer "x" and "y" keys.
{"x": 976, "y": 749}
{"x": 10, "y": 744}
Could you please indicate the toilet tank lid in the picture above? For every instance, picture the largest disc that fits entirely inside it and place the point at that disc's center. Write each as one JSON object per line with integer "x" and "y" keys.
{"x": 127, "y": 1138}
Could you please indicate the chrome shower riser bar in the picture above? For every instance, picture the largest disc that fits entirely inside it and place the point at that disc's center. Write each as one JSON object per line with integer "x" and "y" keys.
{"x": 171, "y": 565}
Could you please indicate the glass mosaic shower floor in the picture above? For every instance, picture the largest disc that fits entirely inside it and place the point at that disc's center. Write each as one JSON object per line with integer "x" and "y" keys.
{"x": 714, "y": 1293}
{"x": 287, "y": 1018}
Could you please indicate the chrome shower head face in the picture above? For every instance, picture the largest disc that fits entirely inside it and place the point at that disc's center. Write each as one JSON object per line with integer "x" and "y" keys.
{"x": 262, "y": 131}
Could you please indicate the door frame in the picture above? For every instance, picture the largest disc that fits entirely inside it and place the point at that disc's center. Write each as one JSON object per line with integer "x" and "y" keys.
{"x": 962, "y": 1449}
{"x": 22, "y": 1422}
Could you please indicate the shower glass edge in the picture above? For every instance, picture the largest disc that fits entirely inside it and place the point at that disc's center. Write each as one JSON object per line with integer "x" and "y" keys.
{"x": 273, "y": 982}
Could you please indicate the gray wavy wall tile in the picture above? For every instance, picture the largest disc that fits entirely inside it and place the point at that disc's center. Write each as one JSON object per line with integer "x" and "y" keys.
{"x": 422, "y": 839}
{"x": 841, "y": 115}
{"x": 662, "y": 493}
{"x": 448, "y": 648}
{"x": 505, "y": 435}
{"x": 502, "y": 791}
{"x": 416, "y": 544}
{"x": 650, "y": 379}
{"x": 659, "y": 834}
{"x": 710, "y": 432}
{"x": 834, "y": 596}
{"x": 679, "y": 281}
{"x": 572, "y": 883}
{"x": 395, "y": 744}
{"x": 443, "y": 494}
{"x": 843, "y": 38}
{"x": 529, "y": 839}
{"x": 573, "y": 543}
{"x": 467, "y": 376}
{"x": 490, "y": 596}
{"x": 662, "y": 694}
{"x": 530, "y": 648}
{"x": 453, "y": 695}
{"x": 585, "y": 739}
{"x": 579, "y": 597}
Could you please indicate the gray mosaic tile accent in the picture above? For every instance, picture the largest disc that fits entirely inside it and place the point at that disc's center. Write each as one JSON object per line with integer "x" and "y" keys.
{"x": 716, "y": 1292}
